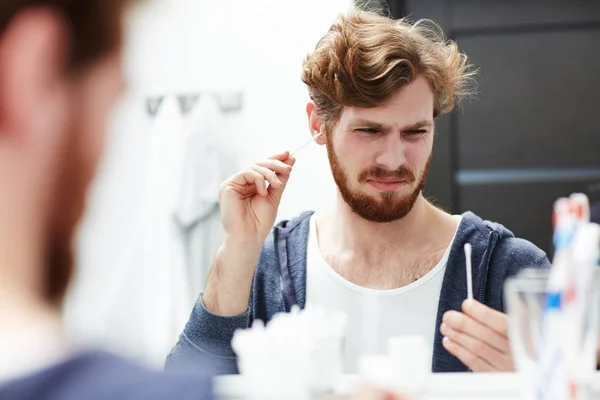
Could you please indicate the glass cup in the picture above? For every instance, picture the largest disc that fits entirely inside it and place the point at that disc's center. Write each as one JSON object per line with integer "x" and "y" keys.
{"x": 525, "y": 297}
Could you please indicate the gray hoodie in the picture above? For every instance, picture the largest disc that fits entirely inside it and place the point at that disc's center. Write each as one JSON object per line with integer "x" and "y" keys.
{"x": 280, "y": 282}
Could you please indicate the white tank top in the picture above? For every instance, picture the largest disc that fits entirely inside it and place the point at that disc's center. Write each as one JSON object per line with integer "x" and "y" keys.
{"x": 374, "y": 315}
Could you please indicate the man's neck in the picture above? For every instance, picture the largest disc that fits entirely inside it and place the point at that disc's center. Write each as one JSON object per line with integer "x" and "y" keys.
{"x": 31, "y": 334}
{"x": 20, "y": 310}
{"x": 354, "y": 232}
{"x": 31, "y": 330}
{"x": 384, "y": 255}
{"x": 21, "y": 275}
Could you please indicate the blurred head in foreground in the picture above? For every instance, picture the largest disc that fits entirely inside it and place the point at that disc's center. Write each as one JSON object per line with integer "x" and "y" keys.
{"x": 60, "y": 74}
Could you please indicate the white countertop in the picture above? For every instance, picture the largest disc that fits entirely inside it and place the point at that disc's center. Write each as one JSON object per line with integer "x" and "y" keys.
{"x": 441, "y": 386}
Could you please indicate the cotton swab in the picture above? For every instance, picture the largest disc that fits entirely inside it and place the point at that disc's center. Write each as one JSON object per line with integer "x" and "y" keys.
{"x": 306, "y": 144}
{"x": 469, "y": 271}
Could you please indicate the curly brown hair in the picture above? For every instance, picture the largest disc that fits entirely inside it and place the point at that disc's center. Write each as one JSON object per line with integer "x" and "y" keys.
{"x": 366, "y": 57}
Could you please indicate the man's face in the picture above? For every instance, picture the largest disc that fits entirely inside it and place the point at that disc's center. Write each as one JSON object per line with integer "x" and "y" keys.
{"x": 380, "y": 156}
{"x": 90, "y": 98}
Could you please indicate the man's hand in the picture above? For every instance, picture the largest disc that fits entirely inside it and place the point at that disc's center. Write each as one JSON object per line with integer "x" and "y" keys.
{"x": 248, "y": 204}
{"x": 478, "y": 337}
{"x": 248, "y": 207}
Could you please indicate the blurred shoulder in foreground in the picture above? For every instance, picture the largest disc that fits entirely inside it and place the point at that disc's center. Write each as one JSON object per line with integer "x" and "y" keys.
{"x": 100, "y": 375}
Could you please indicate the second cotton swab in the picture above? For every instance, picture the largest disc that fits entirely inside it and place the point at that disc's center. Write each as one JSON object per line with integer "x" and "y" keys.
{"x": 469, "y": 271}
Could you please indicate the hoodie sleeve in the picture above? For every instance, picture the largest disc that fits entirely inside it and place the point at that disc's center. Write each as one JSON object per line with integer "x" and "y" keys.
{"x": 207, "y": 336}
{"x": 206, "y": 339}
{"x": 520, "y": 253}
{"x": 511, "y": 256}
{"x": 543, "y": 262}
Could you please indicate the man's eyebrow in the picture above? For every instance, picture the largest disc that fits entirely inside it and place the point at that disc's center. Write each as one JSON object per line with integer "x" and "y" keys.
{"x": 370, "y": 124}
{"x": 421, "y": 124}
{"x": 382, "y": 127}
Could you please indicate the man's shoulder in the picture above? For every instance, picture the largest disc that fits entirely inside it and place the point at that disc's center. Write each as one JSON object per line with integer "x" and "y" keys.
{"x": 280, "y": 275}
{"x": 290, "y": 225}
{"x": 99, "y": 375}
{"x": 292, "y": 231}
{"x": 508, "y": 248}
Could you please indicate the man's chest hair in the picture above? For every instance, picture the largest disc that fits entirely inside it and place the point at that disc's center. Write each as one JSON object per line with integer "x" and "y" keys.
{"x": 391, "y": 272}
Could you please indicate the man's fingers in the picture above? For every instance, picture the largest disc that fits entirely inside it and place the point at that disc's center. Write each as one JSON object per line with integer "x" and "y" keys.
{"x": 468, "y": 358}
{"x": 277, "y": 191}
{"x": 465, "y": 324}
{"x": 269, "y": 175}
{"x": 498, "y": 360}
{"x": 259, "y": 182}
{"x": 479, "y": 335}
{"x": 279, "y": 167}
{"x": 290, "y": 161}
{"x": 284, "y": 155}
{"x": 494, "y": 319}
{"x": 247, "y": 182}
{"x": 275, "y": 170}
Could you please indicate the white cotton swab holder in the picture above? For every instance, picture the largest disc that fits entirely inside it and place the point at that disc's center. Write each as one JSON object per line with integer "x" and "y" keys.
{"x": 296, "y": 356}
{"x": 405, "y": 368}
{"x": 411, "y": 362}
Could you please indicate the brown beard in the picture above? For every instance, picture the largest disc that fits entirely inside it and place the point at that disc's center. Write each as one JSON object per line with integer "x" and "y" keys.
{"x": 390, "y": 206}
{"x": 68, "y": 206}
{"x": 59, "y": 267}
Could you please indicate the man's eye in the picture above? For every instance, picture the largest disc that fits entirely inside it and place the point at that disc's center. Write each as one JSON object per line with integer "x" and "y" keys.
{"x": 369, "y": 131}
{"x": 416, "y": 132}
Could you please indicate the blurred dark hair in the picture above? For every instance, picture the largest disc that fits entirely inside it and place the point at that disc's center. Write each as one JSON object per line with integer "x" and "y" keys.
{"x": 95, "y": 25}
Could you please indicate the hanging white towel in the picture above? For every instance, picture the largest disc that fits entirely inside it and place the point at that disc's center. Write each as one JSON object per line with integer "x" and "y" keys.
{"x": 150, "y": 297}
{"x": 166, "y": 290}
{"x": 207, "y": 164}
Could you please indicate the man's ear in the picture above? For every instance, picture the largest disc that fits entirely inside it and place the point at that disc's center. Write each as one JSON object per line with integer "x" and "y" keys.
{"x": 33, "y": 54}
{"x": 314, "y": 123}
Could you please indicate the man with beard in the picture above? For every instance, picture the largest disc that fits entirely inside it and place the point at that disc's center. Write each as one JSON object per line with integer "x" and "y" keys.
{"x": 60, "y": 74}
{"x": 385, "y": 255}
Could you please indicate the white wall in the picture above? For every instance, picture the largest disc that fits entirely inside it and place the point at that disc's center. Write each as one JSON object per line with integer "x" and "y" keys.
{"x": 194, "y": 45}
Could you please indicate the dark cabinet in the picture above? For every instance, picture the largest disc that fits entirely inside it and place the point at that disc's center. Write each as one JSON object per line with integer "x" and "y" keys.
{"x": 533, "y": 132}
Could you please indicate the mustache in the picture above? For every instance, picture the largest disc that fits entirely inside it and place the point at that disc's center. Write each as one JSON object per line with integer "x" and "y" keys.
{"x": 401, "y": 173}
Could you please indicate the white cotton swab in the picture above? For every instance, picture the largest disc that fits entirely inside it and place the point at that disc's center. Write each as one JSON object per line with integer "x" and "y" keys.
{"x": 469, "y": 271}
{"x": 306, "y": 144}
